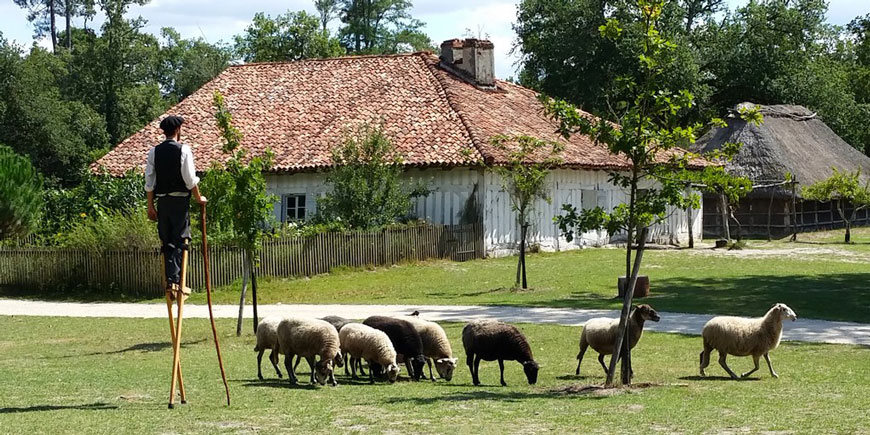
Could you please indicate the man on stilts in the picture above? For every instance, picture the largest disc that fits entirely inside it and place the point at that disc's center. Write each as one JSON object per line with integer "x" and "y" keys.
{"x": 170, "y": 177}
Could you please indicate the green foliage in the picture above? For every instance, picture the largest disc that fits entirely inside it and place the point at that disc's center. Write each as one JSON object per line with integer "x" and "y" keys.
{"x": 367, "y": 191}
{"x": 97, "y": 196}
{"x": 842, "y": 187}
{"x": 523, "y": 176}
{"x": 240, "y": 208}
{"x": 189, "y": 63}
{"x": 20, "y": 194}
{"x": 38, "y": 121}
{"x": 380, "y": 26}
{"x": 110, "y": 230}
{"x": 292, "y": 36}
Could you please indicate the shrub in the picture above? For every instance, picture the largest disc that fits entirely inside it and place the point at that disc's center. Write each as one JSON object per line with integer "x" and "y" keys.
{"x": 111, "y": 230}
{"x": 20, "y": 194}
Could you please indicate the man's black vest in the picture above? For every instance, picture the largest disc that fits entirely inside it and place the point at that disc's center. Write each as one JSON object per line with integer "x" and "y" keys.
{"x": 167, "y": 166}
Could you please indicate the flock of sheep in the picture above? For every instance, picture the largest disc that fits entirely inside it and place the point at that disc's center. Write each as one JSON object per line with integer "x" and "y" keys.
{"x": 385, "y": 342}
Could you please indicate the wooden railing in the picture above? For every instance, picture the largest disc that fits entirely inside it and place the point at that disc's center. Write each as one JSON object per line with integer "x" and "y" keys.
{"x": 138, "y": 272}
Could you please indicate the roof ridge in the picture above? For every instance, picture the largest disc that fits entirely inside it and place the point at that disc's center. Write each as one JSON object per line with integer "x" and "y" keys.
{"x": 439, "y": 80}
{"x": 329, "y": 59}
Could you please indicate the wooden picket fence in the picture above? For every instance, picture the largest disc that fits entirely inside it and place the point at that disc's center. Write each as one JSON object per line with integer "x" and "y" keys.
{"x": 138, "y": 272}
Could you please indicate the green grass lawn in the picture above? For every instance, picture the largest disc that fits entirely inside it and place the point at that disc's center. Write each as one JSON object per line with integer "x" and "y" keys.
{"x": 111, "y": 376}
{"x": 814, "y": 282}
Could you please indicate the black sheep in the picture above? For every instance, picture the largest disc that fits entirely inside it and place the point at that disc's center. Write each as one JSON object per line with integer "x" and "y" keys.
{"x": 489, "y": 340}
{"x": 405, "y": 339}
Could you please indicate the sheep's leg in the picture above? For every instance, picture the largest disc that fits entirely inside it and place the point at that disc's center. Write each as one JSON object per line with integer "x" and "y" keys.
{"x": 288, "y": 365}
{"x": 410, "y": 369}
{"x": 310, "y": 360}
{"x": 601, "y": 361}
{"x": 346, "y": 368}
{"x": 429, "y": 363}
{"x": 469, "y": 360}
{"x": 259, "y": 363}
{"x": 705, "y": 358}
{"x": 273, "y": 357}
{"x": 583, "y": 347}
{"x": 475, "y": 372}
{"x": 371, "y": 372}
{"x": 501, "y": 369}
{"x": 755, "y": 360}
{"x": 722, "y": 356}
{"x": 298, "y": 360}
{"x": 359, "y": 362}
{"x": 769, "y": 365}
{"x": 352, "y": 364}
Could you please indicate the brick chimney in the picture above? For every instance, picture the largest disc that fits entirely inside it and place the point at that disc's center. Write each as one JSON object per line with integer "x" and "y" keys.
{"x": 473, "y": 58}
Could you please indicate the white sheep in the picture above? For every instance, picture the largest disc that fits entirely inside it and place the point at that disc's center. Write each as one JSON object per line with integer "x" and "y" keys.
{"x": 436, "y": 346}
{"x": 310, "y": 338}
{"x": 267, "y": 338}
{"x": 360, "y": 342}
{"x": 740, "y": 336}
{"x": 600, "y": 333}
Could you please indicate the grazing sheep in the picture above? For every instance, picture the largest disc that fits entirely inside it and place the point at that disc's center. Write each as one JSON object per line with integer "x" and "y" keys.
{"x": 310, "y": 338}
{"x": 490, "y": 340}
{"x": 740, "y": 336}
{"x": 362, "y": 342}
{"x": 436, "y": 346}
{"x": 267, "y": 338}
{"x": 338, "y": 323}
{"x": 406, "y": 340}
{"x": 601, "y": 332}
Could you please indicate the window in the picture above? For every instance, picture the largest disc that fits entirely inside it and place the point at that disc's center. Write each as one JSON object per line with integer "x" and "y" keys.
{"x": 294, "y": 208}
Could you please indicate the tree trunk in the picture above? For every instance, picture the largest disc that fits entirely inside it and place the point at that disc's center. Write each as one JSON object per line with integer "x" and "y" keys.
{"x": 524, "y": 232}
{"x": 244, "y": 293}
{"x": 620, "y": 349}
{"x": 691, "y": 228}
{"x": 253, "y": 289}
{"x": 68, "y": 15}
{"x": 723, "y": 205}
{"x": 53, "y": 29}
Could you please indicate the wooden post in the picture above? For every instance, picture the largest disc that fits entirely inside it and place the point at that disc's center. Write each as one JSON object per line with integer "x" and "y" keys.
{"x": 253, "y": 289}
{"x": 794, "y": 210}
{"x": 770, "y": 213}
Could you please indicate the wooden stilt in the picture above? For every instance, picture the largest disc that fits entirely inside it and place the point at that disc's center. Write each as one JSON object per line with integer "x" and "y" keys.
{"x": 172, "y": 333}
{"x": 179, "y": 298}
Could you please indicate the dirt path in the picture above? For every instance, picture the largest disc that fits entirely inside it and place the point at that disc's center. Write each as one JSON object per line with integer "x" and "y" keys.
{"x": 818, "y": 331}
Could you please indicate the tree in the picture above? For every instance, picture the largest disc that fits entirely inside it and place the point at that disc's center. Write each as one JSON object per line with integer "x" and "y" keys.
{"x": 59, "y": 135}
{"x": 842, "y": 188}
{"x": 189, "y": 63}
{"x": 328, "y": 9}
{"x": 648, "y": 133}
{"x": 292, "y": 36}
{"x": 42, "y": 13}
{"x": 380, "y": 27}
{"x": 20, "y": 194}
{"x": 367, "y": 191}
{"x": 563, "y": 56}
{"x": 246, "y": 204}
{"x": 524, "y": 177}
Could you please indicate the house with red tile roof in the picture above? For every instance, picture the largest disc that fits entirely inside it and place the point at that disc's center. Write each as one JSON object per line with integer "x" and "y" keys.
{"x": 441, "y": 112}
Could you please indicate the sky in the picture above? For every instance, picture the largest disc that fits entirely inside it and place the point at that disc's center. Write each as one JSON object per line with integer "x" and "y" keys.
{"x": 445, "y": 19}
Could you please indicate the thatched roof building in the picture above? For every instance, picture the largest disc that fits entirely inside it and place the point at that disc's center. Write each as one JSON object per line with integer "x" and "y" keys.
{"x": 792, "y": 140}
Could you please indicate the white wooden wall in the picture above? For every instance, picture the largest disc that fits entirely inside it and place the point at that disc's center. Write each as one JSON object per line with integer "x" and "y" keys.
{"x": 450, "y": 190}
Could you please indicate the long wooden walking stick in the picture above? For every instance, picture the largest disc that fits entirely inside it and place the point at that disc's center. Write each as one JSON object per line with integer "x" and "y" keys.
{"x": 217, "y": 345}
{"x": 172, "y": 332}
{"x": 179, "y": 298}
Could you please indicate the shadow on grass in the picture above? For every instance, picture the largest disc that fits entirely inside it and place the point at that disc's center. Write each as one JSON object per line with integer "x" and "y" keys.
{"x": 279, "y": 383}
{"x": 39, "y": 408}
{"x": 716, "y": 378}
{"x": 141, "y": 347}
{"x": 844, "y": 296}
{"x": 506, "y": 396}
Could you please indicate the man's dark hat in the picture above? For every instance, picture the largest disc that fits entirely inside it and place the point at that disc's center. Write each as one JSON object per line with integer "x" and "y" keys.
{"x": 171, "y": 123}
